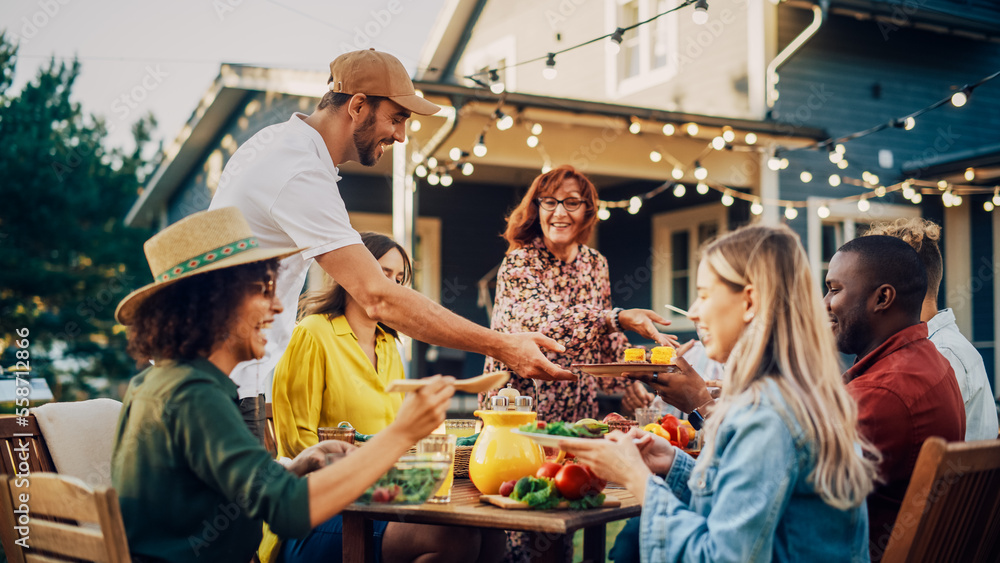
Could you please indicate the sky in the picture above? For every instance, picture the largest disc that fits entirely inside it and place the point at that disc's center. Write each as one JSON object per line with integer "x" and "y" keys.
{"x": 142, "y": 56}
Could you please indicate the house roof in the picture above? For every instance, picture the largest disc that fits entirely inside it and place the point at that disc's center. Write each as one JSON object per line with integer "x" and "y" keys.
{"x": 235, "y": 82}
{"x": 976, "y": 19}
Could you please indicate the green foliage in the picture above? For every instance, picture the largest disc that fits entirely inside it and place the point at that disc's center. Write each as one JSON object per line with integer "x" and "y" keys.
{"x": 66, "y": 257}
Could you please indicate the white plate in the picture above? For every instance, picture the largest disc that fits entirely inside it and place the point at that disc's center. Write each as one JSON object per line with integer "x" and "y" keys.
{"x": 550, "y": 440}
{"x": 616, "y": 370}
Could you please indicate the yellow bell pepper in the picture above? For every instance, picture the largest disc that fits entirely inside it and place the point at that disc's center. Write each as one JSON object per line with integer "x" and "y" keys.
{"x": 658, "y": 430}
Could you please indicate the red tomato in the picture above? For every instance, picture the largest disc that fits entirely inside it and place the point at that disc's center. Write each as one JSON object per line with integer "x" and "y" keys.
{"x": 548, "y": 469}
{"x": 575, "y": 481}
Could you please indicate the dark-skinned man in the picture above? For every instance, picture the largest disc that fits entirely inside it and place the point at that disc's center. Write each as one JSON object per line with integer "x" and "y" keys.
{"x": 905, "y": 389}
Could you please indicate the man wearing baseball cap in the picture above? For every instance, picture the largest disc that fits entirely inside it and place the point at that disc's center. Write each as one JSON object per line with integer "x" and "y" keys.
{"x": 284, "y": 180}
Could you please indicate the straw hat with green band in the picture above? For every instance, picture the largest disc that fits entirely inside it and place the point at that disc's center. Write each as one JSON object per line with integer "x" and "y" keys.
{"x": 199, "y": 243}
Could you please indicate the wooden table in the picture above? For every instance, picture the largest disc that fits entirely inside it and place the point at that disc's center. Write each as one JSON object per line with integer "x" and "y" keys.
{"x": 552, "y": 528}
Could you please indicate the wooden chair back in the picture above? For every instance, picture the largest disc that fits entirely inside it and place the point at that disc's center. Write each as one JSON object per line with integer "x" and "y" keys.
{"x": 951, "y": 511}
{"x": 69, "y": 521}
{"x": 22, "y": 452}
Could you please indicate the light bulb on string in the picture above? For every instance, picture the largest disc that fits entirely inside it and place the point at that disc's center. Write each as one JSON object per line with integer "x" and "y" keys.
{"x": 774, "y": 163}
{"x": 865, "y": 175}
{"x": 420, "y": 171}
{"x": 455, "y": 153}
{"x": 988, "y": 205}
{"x": 655, "y": 156}
{"x": 480, "y": 148}
{"x": 791, "y": 213}
{"x": 614, "y": 44}
{"x": 676, "y": 173}
{"x": 840, "y": 148}
{"x": 908, "y": 191}
{"x": 416, "y": 157}
{"x": 728, "y": 135}
{"x": 727, "y": 199}
{"x": 702, "y": 188}
{"x": 873, "y": 179}
{"x": 836, "y": 157}
{"x": 823, "y": 211}
{"x": 960, "y": 98}
{"x": 942, "y": 185}
{"x": 718, "y": 143}
{"x": 970, "y": 174}
{"x": 756, "y": 208}
{"x": 546, "y": 167}
{"x": 668, "y": 129}
{"x": 880, "y": 191}
{"x": 634, "y": 204}
{"x": 700, "y": 14}
{"x": 750, "y": 138}
{"x": 433, "y": 178}
{"x": 783, "y": 163}
{"x": 835, "y": 180}
{"x": 679, "y": 190}
{"x": 806, "y": 176}
{"x": 956, "y": 200}
{"x": 468, "y": 169}
{"x": 603, "y": 213}
{"x": 946, "y": 198}
{"x": 996, "y": 196}
{"x": 692, "y": 129}
{"x": 550, "y": 72}
{"x": 700, "y": 173}
{"x": 635, "y": 127}
{"x": 532, "y": 141}
{"x": 917, "y": 197}
{"x": 446, "y": 180}
{"x": 909, "y": 123}
{"x": 414, "y": 125}
{"x": 432, "y": 162}
{"x": 536, "y": 129}
{"x": 864, "y": 205}
{"x": 504, "y": 121}
{"x": 842, "y": 164}
{"x": 496, "y": 85}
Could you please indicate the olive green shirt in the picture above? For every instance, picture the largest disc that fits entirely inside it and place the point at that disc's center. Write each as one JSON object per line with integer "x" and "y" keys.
{"x": 193, "y": 483}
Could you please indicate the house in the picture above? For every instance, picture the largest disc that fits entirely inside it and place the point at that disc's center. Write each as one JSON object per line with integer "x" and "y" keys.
{"x": 640, "y": 118}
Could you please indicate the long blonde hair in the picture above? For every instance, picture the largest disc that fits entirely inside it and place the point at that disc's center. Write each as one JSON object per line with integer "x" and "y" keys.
{"x": 789, "y": 340}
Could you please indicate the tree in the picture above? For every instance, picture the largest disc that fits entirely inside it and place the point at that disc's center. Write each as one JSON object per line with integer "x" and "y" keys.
{"x": 66, "y": 257}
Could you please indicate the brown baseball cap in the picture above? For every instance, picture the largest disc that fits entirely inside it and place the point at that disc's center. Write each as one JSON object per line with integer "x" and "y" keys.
{"x": 377, "y": 74}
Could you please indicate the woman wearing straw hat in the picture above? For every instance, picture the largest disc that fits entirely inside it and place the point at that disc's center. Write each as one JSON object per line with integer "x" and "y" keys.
{"x": 193, "y": 482}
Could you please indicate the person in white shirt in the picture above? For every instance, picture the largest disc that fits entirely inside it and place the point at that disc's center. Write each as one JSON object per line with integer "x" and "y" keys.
{"x": 980, "y": 407}
{"x": 284, "y": 180}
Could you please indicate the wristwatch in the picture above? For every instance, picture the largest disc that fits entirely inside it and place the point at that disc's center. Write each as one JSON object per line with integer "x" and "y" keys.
{"x": 696, "y": 420}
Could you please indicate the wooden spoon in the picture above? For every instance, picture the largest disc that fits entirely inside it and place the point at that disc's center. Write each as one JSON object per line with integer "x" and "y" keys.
{"x": 478, "y": 384}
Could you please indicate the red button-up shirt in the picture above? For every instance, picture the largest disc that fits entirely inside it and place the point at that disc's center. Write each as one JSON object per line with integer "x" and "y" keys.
{"x": 906, "y": 392}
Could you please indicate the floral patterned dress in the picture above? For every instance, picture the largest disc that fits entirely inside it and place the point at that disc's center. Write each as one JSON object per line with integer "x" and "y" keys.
{"x": 568, "y": 302}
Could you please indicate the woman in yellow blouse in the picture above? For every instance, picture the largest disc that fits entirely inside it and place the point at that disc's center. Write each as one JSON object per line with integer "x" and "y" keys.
{"x": 338, "y": 362}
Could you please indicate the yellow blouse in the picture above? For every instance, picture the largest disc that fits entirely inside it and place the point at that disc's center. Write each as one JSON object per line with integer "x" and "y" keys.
{"x": 325, "y": 378}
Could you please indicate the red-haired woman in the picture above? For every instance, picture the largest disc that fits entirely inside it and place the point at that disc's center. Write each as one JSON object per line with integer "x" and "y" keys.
{"x": 552, "y": 282}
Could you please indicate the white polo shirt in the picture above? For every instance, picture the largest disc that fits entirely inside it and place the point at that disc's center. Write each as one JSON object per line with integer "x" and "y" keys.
{"x": 285, "y": 183}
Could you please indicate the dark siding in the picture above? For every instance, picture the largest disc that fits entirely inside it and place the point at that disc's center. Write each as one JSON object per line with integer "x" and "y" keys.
{"x": 982, "y": 269}
{"x": 848, "y": 78}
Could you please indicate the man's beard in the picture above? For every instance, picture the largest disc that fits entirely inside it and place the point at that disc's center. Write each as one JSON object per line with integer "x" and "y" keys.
{"x": 365, "y": 142}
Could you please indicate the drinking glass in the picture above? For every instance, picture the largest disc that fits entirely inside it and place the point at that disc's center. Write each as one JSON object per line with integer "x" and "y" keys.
{"x": 646, "y": 415}
{"x": 460, "y": 427}
{"x": 441, "y": 444}
{"x": 335, "y": 433}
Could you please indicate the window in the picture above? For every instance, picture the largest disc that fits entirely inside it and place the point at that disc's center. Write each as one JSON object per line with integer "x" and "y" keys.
{"x": 648, "y": 53}
{"x": 677, "y": 238}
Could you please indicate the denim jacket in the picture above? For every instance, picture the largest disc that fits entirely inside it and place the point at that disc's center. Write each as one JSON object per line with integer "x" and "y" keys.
{"x": 753, "y": 502}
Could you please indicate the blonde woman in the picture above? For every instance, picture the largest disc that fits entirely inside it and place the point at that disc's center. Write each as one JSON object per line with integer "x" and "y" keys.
{"x": 782, "y": 475}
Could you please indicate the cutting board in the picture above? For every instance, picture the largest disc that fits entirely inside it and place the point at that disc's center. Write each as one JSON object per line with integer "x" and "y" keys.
{"x": 610, "y": 501}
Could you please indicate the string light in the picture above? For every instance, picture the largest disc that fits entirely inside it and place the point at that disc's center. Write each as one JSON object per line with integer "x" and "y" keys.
{"x": 496, "y": 85}
{"x": 480, "y": 148}
{"x": 783, "y": 163}
{"x": 416, "y": 157}
{"x": 634, "y": 205}
{"x": 727, "y": 199}
{"x": 536, "y": 129}
{"x": 702, "y": 188}
{"x": 635, "y": 127}
{"x": 750, "y": 138}
{"x": 791, "y": 213}
{"x": 959, "y": 99}
{"x": 668, "y": 129}
{"x": 532, "y": 141}
{"x": 756, "y": 208}
{"x": 655, "y": 156}
{"x": 679, "y": 190}
{"x": 823, "y": 211}
{"x": 692, "y": 129}
{"x": 917, "y": 198}
{"x": 996, "y": 196}
{"x": 835, "y": 180}
{"x": 942, "y": 184}
{"x": 504, "y": 121}
{"x": 908, "y": 191}
{"x": 614, "y": 45}
{"x": 836, "y": 157}
{"x": 840, "y": 149}
{"x": 468, "y": 169}
{"x": 550, "y": 72}
{"x": 947, "y": 199}
{"x": 728, "y": 135}
{"x": 988, "y": 205}
{"x": 455, "y": 153}
{"x": 420, "y": 171}
{"x": 806, "y": 176}
{"x": 880, "y": 191}
{"x": 909, "y": 123}
{"x": 603, "y": 214}
{"x": 546, "y": 167}
{"x": 970, "y": 174}
{"x": 414, "y": 125}
{"x": 676, "y": 173}
{"x": 842, "y": 164}
{"x": 700, "y": 173}
{"x": 864, "y": 205}
{"x": 718, "y": 143}
{"x": 432, "y": 162}
{"x": 433, "y": 178}
{"x": 446, "y": 180}
{"x": 700, "y": 14}
{"x": 774, "y": 163}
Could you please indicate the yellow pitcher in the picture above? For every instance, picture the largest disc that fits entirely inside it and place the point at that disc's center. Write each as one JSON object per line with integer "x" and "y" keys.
{"x": 499, "y": 455}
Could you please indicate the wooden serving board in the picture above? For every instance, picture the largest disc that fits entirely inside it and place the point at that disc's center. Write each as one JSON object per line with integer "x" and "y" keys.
{"x": 610, "y": 501}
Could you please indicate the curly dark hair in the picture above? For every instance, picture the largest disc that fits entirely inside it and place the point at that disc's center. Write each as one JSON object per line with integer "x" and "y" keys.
{"x": 186, "y": 320}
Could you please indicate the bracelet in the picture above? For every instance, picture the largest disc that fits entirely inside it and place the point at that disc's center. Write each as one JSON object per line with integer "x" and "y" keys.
{"x": 614, "y": 319}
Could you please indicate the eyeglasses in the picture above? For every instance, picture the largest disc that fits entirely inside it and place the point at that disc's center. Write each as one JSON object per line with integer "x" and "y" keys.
{"x": 266, "y": 288}
{"x": 550, "y": 203}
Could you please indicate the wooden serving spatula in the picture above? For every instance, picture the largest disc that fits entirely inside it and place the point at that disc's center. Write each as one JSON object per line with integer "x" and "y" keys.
{"x": 478, "y": 384}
